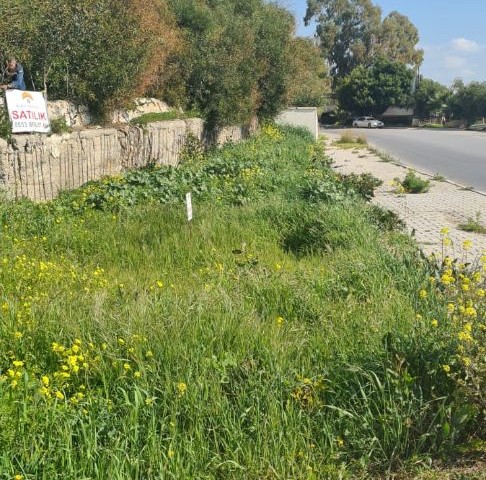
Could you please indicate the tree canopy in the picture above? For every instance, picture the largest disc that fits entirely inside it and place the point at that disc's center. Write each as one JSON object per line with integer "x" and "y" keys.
{"x": 430, "y": 98}
{"x": 229, "y": 60}
{"x": 309, "y": 82}
{"x": 352, "y": 33}
{"x": 371, "y": 90}
{"x": 468, "y": 102}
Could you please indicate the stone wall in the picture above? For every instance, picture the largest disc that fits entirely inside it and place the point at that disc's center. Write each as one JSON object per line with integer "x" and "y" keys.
{"x": 40, "y": 166}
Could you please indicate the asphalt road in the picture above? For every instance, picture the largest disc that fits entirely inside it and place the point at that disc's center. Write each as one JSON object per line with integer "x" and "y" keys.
{"x": 459, "y": 156}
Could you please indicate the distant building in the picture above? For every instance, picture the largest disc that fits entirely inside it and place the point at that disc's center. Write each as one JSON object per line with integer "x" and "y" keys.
{"x": 398, "y": 116}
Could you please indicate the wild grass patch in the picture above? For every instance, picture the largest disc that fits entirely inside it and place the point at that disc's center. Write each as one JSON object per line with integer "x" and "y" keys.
{"x": 287, "y": 331}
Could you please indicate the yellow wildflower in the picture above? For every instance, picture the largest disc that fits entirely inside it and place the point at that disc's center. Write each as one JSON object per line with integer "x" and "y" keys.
{"x": 59, "y": 395}
{"x": 181, "y": 388}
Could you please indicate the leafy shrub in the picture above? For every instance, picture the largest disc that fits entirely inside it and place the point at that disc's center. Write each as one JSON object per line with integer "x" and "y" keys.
{"x": 385, "y": 219}
{"x": 413, "y": 183}
{"x": 322, "y": 187}
{"x": 5, "y": 125}
{"x": 59, "y": 125}
{"x": 363, "y": 184}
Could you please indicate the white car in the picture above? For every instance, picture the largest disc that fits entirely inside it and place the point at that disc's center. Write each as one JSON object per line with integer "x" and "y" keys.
{"x": 367, "y": 122}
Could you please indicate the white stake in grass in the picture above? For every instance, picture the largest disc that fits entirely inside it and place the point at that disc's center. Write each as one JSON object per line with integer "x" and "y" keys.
{"x": 189, "y": 206}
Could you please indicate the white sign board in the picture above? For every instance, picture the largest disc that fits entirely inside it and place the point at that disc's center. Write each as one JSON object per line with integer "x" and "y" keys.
{"x": 27, "y": 111}
{"x": 189, "y": 206}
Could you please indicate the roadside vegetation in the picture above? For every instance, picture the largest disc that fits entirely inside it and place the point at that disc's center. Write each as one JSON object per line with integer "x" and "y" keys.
{"x": 229, "y": 61}
{"x": 289, "y": 331}
{"x": 412, "y": 183}
{"x": 473, "y": 224}
{"x": 348, "y": 140}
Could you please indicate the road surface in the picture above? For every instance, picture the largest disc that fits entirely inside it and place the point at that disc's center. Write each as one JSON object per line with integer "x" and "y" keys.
{"x": 460, "y": 156}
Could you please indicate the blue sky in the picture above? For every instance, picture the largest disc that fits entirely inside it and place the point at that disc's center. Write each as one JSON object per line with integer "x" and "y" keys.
{"x": 452, "y": 34}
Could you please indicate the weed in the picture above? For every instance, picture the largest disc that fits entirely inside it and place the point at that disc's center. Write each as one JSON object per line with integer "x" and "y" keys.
{"x": 348, "y": 140}
{"x": 363, "y": 184}
{"x": 346, "y": 137}
{"x": 60, "y": 126}
{"x": 384, "y": 156}
{"x": 438, "y": 177}
{"x": 473, "y": 225}
{"x": 147, "y": 118}
{"x": 385, "y": 219}
{"x": 413, "y": 183}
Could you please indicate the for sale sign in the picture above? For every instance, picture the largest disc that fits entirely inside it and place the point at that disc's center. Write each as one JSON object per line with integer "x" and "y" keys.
{"x": 27, "y": 111}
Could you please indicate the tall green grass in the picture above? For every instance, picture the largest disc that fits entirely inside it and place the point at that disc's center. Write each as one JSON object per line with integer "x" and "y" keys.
{"x": 266, "y": 339}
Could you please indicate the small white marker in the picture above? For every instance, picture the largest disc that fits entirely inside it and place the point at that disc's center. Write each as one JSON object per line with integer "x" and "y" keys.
{"x": 189, "y": 206}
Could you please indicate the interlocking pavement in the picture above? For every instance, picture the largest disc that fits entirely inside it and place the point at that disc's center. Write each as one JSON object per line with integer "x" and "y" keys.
{"x": 445, "y": 205}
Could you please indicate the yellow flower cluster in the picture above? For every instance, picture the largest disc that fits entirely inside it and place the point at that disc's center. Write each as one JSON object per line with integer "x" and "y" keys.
{"x": 272, "y": 132}
{"x": 74, "y": 378}
{"x": 463, "y": 290}
{"x": 29, "y": 282}
{"x": 307, "y": 392}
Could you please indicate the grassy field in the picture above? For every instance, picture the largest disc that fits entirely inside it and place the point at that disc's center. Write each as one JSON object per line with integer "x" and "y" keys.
{"x": 288, "y": 332}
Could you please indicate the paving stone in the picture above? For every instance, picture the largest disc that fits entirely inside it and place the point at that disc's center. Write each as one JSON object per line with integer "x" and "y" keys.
{"x": 445, "y": 205}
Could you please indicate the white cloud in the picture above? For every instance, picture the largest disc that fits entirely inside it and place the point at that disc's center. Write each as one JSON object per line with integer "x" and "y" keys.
{"x": 443, "y": 63}
{"x": 465, "y": 46}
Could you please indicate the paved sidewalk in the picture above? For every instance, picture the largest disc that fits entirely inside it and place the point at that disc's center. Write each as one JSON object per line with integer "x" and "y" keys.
{"x": 445, "y": 205}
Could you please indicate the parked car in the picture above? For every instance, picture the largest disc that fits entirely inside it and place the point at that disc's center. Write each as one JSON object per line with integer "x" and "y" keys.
{"x": 478, "y": 127}
{"x": 368, "y": 122}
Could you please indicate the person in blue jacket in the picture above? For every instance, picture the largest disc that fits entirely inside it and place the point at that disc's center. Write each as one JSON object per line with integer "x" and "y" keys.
{"x": 15, "y": 75}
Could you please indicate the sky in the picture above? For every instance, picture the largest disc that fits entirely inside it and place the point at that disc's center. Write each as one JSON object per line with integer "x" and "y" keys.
{"x": 452, "y": 34}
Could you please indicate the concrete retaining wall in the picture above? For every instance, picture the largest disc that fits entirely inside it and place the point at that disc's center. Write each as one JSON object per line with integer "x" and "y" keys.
{"x": 301, "y": 117}
{"x": 39, "y": 167}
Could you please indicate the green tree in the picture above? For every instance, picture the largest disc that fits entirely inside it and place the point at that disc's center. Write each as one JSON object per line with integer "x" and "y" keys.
{"x": 468, "y": 102}
{"x": 371, "y": 90}
{"x": 397, "y": 40}
{"x": 347, "y": 30}
{"x": 236, "y": 61}
{"x": 273, "y": 39}
{"x": 99, "y": 52}
{"x": 309, "y": 81}
{"x": 430, "y": 97}
{"x": 352, "y": 33}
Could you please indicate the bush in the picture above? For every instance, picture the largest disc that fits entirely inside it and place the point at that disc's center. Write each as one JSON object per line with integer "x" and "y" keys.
{"x": 363, "y": 184}
{"x": 414, "y": 184}
{"x": 59, "y": 125}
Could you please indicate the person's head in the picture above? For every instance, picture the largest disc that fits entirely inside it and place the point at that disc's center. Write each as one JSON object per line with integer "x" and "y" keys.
{"x": 11, "y": 64}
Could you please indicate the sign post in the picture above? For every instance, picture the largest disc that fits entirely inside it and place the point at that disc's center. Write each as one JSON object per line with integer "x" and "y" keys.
{"x": 27, "y": 111}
